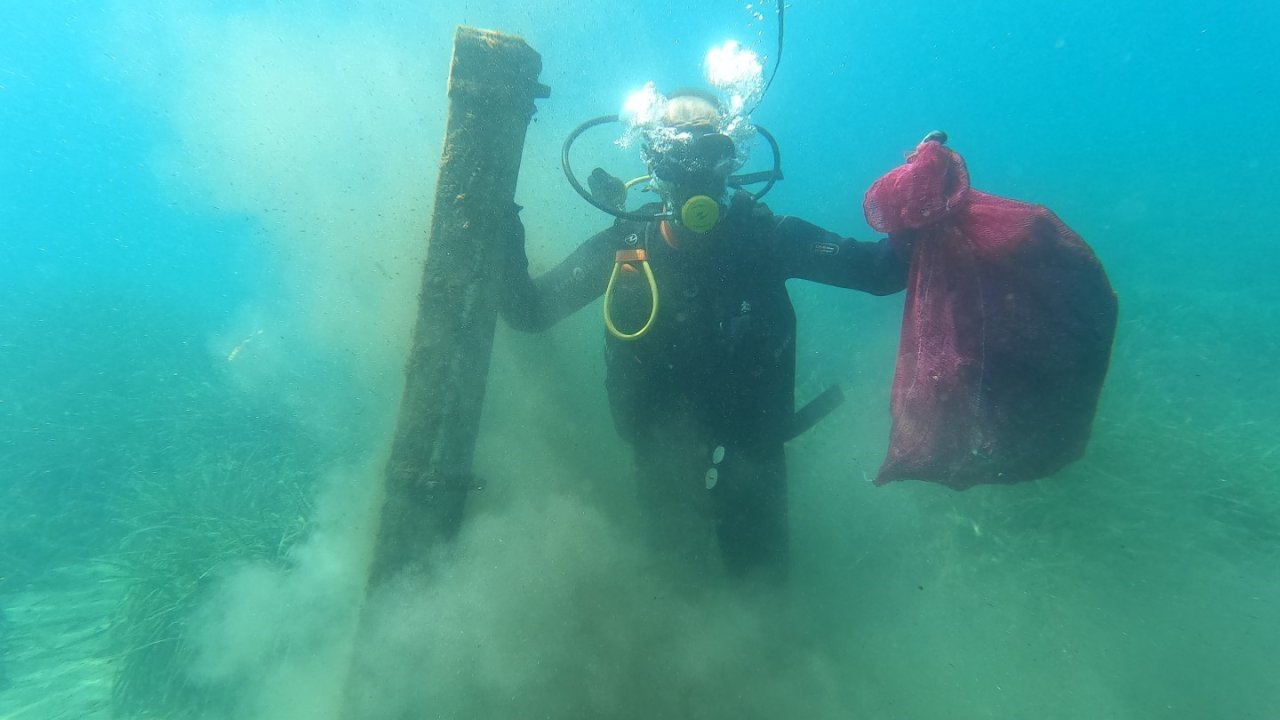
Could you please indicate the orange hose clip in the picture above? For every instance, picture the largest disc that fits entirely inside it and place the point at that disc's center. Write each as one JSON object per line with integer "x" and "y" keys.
{"x": 631, "y": 255}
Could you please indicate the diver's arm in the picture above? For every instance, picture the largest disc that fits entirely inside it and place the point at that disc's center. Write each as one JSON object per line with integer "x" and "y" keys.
{"x": 533, "y": 305}
{"x": 808, "y": 252}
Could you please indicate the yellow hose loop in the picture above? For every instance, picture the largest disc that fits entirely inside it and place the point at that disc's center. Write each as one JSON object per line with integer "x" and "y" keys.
{"x": 636, "y": 181}
{"x": 621, "y": 259}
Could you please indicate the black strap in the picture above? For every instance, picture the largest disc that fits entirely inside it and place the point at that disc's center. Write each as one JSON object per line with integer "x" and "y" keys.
{"x": 813, "y": 411}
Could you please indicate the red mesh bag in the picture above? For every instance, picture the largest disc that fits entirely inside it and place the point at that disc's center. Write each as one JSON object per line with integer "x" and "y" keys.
{"x": 1006, "y": 335}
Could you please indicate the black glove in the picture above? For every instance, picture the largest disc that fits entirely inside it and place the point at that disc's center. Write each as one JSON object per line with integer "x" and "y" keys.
{"x": 511, "y": 243}
{"x": 937, "y": 135}
{"x": 607, "y": 189}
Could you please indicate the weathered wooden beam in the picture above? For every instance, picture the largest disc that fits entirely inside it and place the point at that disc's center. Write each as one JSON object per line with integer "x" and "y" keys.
{"x": 493, "y": 81}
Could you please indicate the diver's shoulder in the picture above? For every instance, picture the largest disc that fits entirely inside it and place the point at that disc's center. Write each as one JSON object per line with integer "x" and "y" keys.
{"x": 744, "y": 206}
{"x": 625, "y": 231}
{"x": 623, "y": 226}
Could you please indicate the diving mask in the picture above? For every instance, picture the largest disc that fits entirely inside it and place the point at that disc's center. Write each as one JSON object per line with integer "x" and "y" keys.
{"x": 694, "y": 160}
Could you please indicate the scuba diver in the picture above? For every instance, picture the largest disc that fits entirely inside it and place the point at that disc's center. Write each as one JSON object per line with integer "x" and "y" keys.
{"x": 700, "y": 350}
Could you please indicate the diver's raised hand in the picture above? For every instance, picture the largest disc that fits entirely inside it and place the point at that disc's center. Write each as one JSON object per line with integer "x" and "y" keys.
{"x": 607, "y": 189}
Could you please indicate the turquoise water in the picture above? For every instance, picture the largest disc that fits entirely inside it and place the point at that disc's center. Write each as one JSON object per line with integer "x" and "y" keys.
{"x": 211, "y": 233}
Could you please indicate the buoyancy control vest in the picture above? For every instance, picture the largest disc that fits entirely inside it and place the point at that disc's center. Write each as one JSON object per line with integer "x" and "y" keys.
{"x": 723, "y": 343}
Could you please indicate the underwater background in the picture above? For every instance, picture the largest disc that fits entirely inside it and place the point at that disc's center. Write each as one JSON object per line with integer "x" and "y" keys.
{"x": 212, "y": 228}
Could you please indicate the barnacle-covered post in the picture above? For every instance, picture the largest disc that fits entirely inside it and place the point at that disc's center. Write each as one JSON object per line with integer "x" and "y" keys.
{"x": 493, "y": 82}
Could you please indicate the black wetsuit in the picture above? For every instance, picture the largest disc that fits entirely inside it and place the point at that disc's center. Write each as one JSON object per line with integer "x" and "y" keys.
{"x": 714, "y": 378}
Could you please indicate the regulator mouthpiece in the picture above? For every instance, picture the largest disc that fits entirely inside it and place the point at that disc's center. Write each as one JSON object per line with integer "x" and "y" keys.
{"x": 700, "y": 213}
